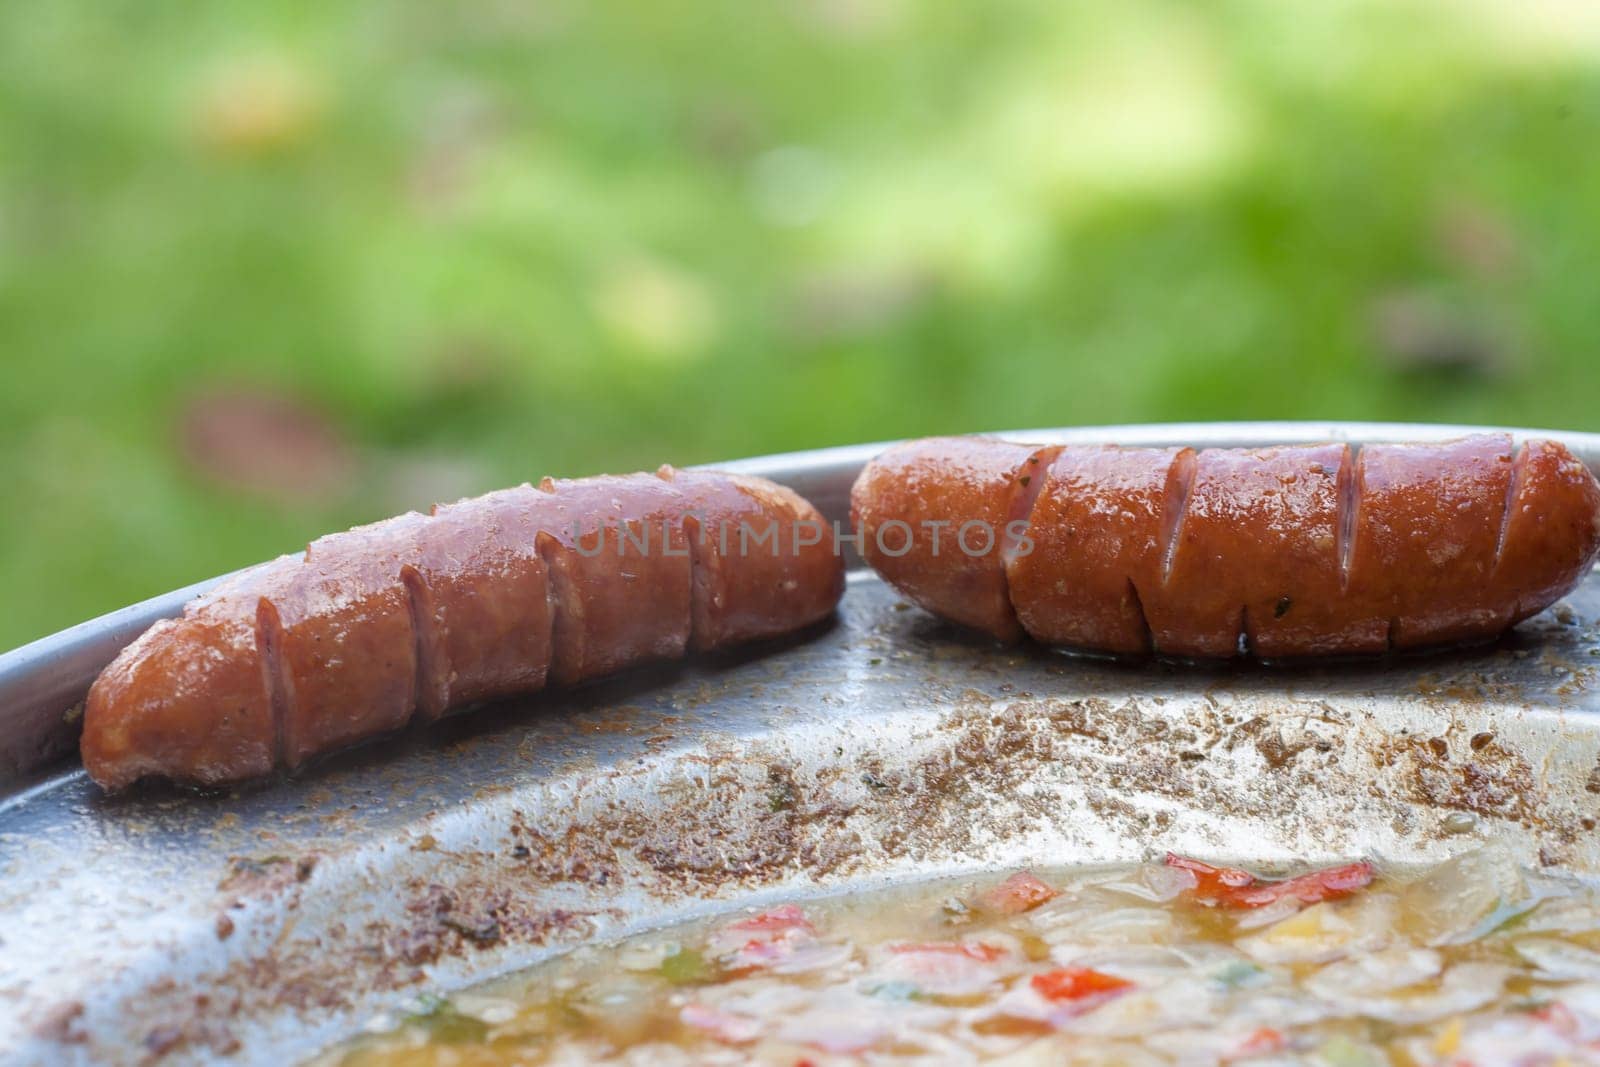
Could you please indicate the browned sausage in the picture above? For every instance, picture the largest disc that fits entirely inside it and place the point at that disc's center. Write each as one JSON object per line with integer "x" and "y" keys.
{"x": 935, "y": 515}
{"x": 480, "y": 595}
{"x": 753, "y": 544}
{"x": 483, "y": 598}
{"x": 1273, "y": 552}
{"x": 612, "y": 545}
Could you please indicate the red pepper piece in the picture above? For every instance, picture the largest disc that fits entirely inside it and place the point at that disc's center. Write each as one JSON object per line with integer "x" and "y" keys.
{"x": 1017, "y": 894}
{"x": 1233, "y": 888}
{"x": 1077, "y": 983}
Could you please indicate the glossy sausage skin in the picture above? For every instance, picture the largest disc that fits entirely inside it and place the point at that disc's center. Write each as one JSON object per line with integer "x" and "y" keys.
{"x": 1274, "y": 552}
{"x": 911, "y": 504}
{"x": 483, "y": 598}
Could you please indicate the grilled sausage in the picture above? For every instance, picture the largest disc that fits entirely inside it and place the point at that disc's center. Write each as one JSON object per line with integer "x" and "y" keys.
{"x": 484, "y": 598}
{"x": 911, "y": 506}
{"x": 1274, "y": 552}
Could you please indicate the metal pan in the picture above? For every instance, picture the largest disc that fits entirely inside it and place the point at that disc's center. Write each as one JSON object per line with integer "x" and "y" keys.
{"x": 265, "y": 923}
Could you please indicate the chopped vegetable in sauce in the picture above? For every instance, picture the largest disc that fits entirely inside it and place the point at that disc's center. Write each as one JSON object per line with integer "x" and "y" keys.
{"x": 1238, "y": 889}
{"x": 1473, "y": 963}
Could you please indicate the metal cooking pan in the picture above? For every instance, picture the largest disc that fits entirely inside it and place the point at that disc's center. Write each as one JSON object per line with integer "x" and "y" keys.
{"x": 265, "y": 923}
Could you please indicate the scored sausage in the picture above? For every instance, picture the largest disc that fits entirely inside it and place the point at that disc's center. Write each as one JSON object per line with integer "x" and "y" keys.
{"x": 1271, "y": 552}
{"x": 484, "y": 598}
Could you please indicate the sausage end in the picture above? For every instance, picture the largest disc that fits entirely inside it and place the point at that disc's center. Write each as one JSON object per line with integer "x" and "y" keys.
{"x": 186, "y": 701}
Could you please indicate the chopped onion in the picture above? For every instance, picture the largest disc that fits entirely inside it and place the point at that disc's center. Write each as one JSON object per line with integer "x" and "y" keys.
{"x": 1341, "y": 1051}
{"x": 1155, "y": 882}
{"x": 1559, "y": 961}
{"x": 645, "y": 955}
{"x": 1326, "y": 931}
{"x": 492, "y": 1010}
{"x": 1463, "y": 988}
{"x": 1056, "y": 1051}
{"x": 947, "y": 969}
{"x": 1143, "y": 963}
{"x": 1375, "y": 972}
{"x": 1089, "y": 921}
{"x": 1266, "y": 916}
{"x": 1561, "y": 915}
{"x": 1467, "y": 896}
{"x": 1184, "y": 1002}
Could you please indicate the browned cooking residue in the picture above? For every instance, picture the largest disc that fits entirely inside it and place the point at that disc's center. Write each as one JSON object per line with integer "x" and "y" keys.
{"x": 1487, "y": 780}
{"x": 59, "y": 1022}
{"x": 484, "y": 909}
{"x": 250, "y": 876}
{"x": 478, "y": 915}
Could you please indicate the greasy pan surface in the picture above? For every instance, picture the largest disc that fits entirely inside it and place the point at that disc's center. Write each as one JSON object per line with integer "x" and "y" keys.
{"x": 268, "y": 922}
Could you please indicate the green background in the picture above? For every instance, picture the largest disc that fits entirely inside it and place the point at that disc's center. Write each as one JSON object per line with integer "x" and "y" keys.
{"x": 273, "y": 268}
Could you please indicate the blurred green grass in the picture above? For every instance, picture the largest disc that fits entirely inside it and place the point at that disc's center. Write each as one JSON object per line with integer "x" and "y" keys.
{"x": 481, "y": 243}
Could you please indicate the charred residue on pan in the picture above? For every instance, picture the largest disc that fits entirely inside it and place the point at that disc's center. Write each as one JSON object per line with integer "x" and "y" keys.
{"x": 481, "y": 909}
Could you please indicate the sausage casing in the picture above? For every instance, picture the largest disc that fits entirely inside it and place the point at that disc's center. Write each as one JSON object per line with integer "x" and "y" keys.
{"x": 937, "y": 512}
{"x": 484, "y": 598}
{"x": 1272, "y": 552}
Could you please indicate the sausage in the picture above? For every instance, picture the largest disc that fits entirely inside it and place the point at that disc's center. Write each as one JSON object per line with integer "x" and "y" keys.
{"x": 337, "y": 628}
{"x": 753, "y": 544}
{"x": 613, "y": 544}
{"x": 418, "y": 615}
{"x": 481, "y": 603}
{"x": 911, "y": 505}
{"x": 1275, "y": 553}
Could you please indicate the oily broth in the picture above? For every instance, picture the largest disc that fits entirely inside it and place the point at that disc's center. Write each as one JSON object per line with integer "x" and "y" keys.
{"x": 1474, "y": 962}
